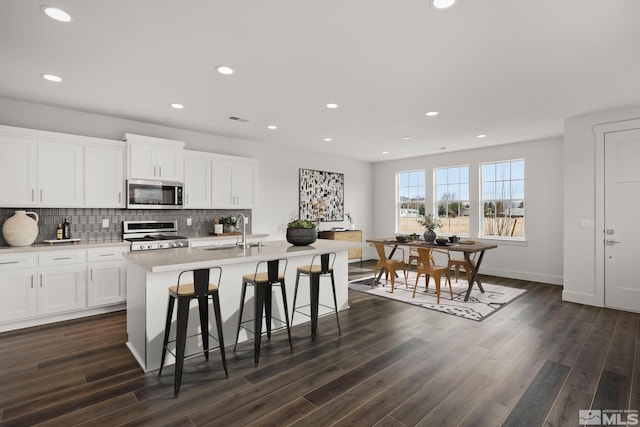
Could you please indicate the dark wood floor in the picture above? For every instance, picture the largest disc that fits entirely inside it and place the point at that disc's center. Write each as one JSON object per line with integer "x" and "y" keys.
{"x": 535, "y": 362}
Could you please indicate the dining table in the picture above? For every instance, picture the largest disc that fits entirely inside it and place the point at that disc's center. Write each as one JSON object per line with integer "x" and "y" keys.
{"x": 467, "y": 247}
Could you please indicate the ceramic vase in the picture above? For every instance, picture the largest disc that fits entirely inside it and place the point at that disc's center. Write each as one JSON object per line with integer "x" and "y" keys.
{"x": 429, "y": 236}
{"x": 21, "y": 229}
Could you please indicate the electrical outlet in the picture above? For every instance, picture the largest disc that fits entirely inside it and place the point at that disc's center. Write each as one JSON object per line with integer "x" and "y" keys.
{"x": 188, "y": 221}
{"x": 105, "y": 223}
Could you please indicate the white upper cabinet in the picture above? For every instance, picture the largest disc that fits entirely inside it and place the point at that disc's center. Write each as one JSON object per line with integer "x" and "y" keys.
{"x": 40, "y": 170}
{"x": 197, "y": 180}
{"x": 234, "y": 182}
{"x": 154, "y": 158}
{"x": 18, "y": 171}
{"x": 104, "y": 176}
{"x": 60, "y": 174}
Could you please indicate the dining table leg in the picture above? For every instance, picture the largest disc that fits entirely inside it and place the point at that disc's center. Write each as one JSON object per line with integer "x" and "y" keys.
{"x": 393, "y": 251}
{"x": 474, "y": 273}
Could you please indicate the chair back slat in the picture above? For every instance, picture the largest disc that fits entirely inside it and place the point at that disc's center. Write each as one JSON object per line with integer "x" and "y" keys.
{"x": 201, "y": 281}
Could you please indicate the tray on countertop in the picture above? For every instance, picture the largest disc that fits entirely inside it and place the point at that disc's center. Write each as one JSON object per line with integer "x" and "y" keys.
{"x": 56, "y": 241}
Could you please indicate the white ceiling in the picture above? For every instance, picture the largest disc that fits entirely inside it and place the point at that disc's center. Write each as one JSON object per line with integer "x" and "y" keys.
{"x": 511, "y": 69}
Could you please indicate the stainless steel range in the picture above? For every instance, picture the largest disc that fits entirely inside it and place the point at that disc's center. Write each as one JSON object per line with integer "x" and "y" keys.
{"x": 150, "y": 235}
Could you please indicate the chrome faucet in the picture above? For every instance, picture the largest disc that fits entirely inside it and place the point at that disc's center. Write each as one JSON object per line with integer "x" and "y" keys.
{"x": 242, "y": 220}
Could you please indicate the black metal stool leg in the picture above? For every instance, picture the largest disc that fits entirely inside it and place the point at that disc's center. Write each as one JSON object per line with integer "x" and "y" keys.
{"x": 203, "y": 308}
{"x": 181, "y": 339}
{"x": 295, "y": 296}
{"x": 215, "y": 299}
{"x": 257, "y": 321}
{"x": 286, "y": 312}
{"x": 335, "y": 302}
{"x": 167, "y": 325}
{"x": 268, "y": 299}
{"x": 314, "y": 288}
{"x": 244, "y": 292}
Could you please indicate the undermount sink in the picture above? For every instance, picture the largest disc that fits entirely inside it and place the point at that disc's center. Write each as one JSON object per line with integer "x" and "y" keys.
{"x": 222, "y": 247}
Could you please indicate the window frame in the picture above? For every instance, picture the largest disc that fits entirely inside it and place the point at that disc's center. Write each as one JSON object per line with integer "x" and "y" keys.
{"x": 399, "y": 203}
{"x": 503, "y": 223}
{"x": 459, "y": 200}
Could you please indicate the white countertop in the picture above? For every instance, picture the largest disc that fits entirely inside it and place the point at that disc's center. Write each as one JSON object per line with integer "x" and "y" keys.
{"x": 65, "y": 246}
{"x": 231, "y": 237}
{"x": 194, "y": 258}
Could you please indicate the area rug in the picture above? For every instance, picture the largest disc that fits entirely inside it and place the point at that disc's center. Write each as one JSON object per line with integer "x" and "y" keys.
{"x": 478, "y": 307}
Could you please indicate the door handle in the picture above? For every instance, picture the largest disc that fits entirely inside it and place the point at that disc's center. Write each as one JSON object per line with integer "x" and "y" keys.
{"x": 611, "y": 242}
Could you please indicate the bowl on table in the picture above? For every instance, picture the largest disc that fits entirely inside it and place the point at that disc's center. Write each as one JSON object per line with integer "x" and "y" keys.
{"x": 442, "y": 241}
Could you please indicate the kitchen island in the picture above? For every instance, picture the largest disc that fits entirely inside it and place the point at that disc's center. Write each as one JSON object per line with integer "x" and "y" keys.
{"x": 150, "y": 273}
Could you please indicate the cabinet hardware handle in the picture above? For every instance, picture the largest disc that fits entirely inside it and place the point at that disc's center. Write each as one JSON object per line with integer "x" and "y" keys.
{"x": 9, "y": 262}
{"x": 32, "y": 281}
{"x": 41, "y": 280}
{"x": 160, "y": 171}
{"x": 61, "y": 258}
{"x": 41, "y": 194}
{"x": 111, "y": 254}
{"x": 33, "y": 194}
{"x": 154, "y": 171}
{"x": 91, "y": 273}
{"x": 120, "y": 197}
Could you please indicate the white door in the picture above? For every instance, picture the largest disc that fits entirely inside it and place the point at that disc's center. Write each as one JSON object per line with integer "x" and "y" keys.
{"x": 104, "y": 177}
{"x": 62, "y": 289}
{"x": 106, "y": 283}
{"x": 197, "y": 182}
{"x": 622, "y": 224}
{"x": 18, "y": 171}
{"x": 60, "y": 174}
{"x": 243, "y": 185}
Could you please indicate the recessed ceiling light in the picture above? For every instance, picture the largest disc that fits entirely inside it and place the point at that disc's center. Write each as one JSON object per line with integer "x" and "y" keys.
{"x": 431, "y": 114}
{"x": 332, "y": 105}
{"x": 481, "y": 136}
{"x": 327, "y": 139}
{"x": 223, "y": 69}
{"x": 57, "y": 14}
{"x": 406, "y": 138}
{"x": 385, "y": 152}
{"x": 272, "y": 127}
{"x": 442, "y": 4}
{"x": 177, "y": 106}
{"x": 52, "y": 78}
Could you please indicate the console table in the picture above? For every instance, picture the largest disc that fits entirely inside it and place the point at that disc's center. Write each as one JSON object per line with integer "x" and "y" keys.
{"x": 347, "y": 236}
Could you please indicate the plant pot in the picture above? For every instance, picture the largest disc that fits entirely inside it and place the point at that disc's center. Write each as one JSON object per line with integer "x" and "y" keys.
{"x": 21, "y": 229}
{"x": 301, "y": 236}
{"x": 228, "y": 228}
{"x": 429, "y": 236}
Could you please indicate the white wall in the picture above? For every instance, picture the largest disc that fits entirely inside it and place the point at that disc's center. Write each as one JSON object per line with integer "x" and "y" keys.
{"x": 279, "y": 165}
{"x": 539, "y": 258}
{"x": 581, "y": 282}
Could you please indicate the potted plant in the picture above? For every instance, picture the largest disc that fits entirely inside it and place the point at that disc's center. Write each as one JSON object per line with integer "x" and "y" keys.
{"x": 301, "y": 232}
{"x": 430, "y": 223}
{"x": 228, "y": 223}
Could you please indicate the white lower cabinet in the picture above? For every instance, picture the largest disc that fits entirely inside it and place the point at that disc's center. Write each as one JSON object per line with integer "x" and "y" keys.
{"x": 107, "y": 277}
{"x": 19, "y": 294}
{"x": 52, "y": 285}
{"x": 61, "y": 288}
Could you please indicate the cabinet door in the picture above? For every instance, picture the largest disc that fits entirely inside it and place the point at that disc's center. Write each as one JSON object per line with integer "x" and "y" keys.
{"x": 142, "y": 161}
{"x": 18, "y": 171}
{"x": 222, "y": 196}
{"x": 197, "y": 182}
{"x": 170, "y": 164}
{"x": 104, "y": 177}
{"x": 243, "y": 181}
{"x": 62, "y": 289}
{"x": 19, "y": 294}
{"x": 106, "y": 283}
{"x": 60, "y": 174}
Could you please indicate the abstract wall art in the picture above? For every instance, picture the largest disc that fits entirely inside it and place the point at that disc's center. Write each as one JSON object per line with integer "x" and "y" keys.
{"x": 321, "y": 195}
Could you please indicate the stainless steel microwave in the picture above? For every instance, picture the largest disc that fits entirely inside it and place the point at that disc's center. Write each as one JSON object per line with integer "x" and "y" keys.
{"x": 143, "y": 194}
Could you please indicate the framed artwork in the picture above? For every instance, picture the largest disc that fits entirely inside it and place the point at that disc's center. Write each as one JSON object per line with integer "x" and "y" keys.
{"x": 321, "y": 195}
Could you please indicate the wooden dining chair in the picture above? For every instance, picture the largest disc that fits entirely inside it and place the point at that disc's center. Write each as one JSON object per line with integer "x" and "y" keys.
{"x": 389, "y": 266}
{"x": 457, "y": 263}
{"x": 415, "y": 257}
{"x": 437, "y": 270}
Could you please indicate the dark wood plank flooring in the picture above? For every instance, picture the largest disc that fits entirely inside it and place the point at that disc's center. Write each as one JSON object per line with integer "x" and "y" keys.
{"x": 535, "y": 362}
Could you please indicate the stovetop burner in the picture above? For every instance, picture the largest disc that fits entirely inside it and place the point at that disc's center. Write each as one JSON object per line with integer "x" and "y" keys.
{"x": 149, "y": 235}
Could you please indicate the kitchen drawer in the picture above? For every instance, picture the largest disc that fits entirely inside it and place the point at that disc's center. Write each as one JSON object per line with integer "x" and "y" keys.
{"x": 18, "y": 260}
{"x": 106, "y": 254}
{"x": 52, "y": 258}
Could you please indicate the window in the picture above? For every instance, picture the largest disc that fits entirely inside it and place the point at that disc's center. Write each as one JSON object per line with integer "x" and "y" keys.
{"x": 410, "y": 200}
{"x": 502, "y": 199}
{"x": 452, "y": 199}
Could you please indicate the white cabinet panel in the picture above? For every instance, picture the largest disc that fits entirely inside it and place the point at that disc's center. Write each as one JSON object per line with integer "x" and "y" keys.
{"x": 197, "y": 182}
{"x": 106, "y": 283}
{"x": 170, "y": 164}
{"x": 234, "y": 182}
{"x": 19, "y": 294}
{"x": 18, "y": 171}
{"x": 154, "y": 158}
{"x": 55, "y": 258}
{"x": 104, "y": 177}
{"x": 60, "y": 174}
{"x": 62, "y": 289}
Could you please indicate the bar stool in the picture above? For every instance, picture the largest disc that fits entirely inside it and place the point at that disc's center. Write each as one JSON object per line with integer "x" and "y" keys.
{"x": 315, "y": 271}
{"x": 263, "y": 282}
{"x": 201, "y": 289}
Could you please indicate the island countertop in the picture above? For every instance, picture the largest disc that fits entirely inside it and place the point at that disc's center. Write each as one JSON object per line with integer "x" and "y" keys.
{"x": 202, "y": 257}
